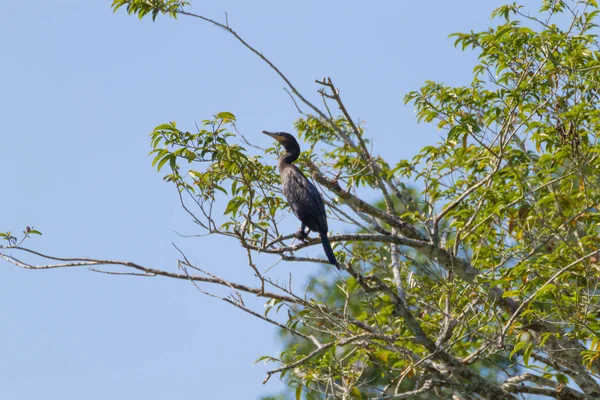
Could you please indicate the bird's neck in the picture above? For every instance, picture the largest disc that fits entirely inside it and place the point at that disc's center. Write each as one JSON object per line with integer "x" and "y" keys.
{"x": 292, "y": 152}
{"x": 289, "y": 157}
{"x": 286, "y": 161}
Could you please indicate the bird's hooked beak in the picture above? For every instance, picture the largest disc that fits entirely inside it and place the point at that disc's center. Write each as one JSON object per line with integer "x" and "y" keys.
{"x": 275, "y": 136}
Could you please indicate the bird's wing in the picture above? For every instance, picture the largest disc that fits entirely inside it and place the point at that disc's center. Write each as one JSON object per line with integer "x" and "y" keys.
{"x": 305, "y": 200}
{"x": 319, "y": 205}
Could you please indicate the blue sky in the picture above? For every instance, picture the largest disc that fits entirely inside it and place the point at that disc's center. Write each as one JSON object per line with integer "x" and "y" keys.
{"x": 82, "y": 88}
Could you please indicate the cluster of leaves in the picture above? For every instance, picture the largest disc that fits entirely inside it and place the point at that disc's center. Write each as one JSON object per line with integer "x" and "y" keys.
{"x": 141, "y": 8}
{"x": 15, "y": 241}
{"x": 341, "y": 156}
{"x": 220, "y": 169}
{"x": 522, "y": 138}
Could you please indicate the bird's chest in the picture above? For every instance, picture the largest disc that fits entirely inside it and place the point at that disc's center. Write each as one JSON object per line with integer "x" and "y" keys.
{"x": 295, "y": 185}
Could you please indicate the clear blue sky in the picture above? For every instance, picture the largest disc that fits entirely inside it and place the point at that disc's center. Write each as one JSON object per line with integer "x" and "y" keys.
{"x": 82, "y": 87}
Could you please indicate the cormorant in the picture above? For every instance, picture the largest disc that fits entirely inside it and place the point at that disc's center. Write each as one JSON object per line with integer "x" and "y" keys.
{"x": 302, "y": 196}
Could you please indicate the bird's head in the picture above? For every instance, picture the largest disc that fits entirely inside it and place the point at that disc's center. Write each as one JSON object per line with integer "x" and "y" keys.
{"x": 288, "y": 142}
{"x": 280, "y": 136}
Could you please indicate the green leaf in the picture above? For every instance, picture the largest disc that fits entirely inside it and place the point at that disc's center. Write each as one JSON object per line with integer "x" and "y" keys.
{"x": 519, "y": 346}
{"x": 546, "y": 291}
{"x": 226, "y": 116}
{"x": 163, "y": 161}
{"x": 527, "y": 354}
{"x": 263, "y": 358}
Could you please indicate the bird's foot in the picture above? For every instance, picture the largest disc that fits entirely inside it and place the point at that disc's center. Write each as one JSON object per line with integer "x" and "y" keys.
{"x": 302, "y": 235}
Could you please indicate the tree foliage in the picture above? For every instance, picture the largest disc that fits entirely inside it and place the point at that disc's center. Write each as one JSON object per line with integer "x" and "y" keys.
{"x": 482, "y": 283}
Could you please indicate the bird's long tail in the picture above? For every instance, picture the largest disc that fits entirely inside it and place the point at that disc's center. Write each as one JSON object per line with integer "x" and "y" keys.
{"x": 328, "y": 249}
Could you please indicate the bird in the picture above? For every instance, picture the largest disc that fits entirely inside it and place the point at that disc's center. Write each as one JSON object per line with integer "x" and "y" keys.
{"x": 302, "y": 196}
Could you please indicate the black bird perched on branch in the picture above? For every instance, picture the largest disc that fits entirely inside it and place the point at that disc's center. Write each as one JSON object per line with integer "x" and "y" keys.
{"x": 302, "y": 196}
